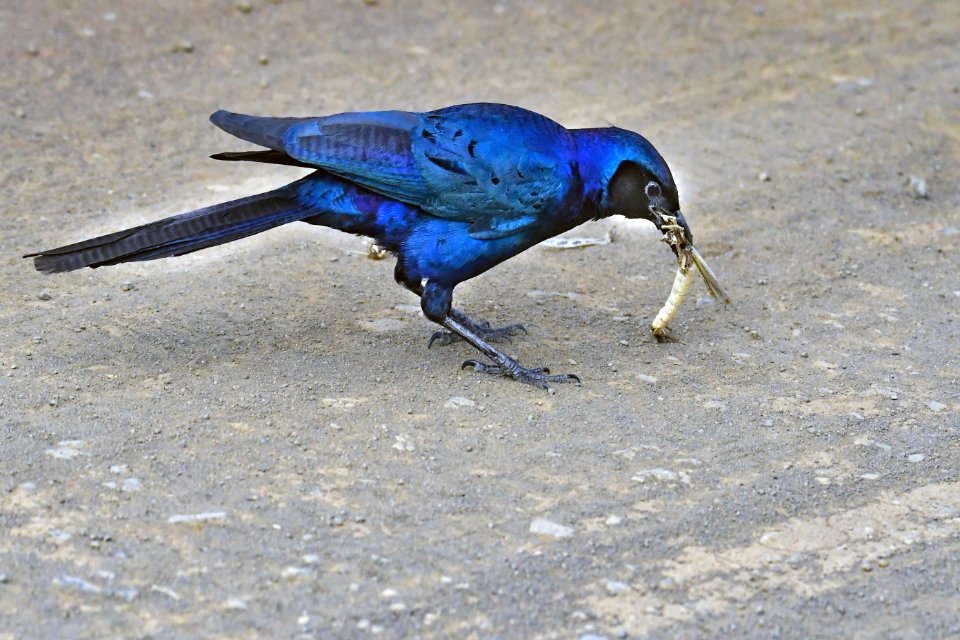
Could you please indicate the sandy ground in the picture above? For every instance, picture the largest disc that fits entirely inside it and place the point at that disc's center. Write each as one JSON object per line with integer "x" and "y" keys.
{"x": 254, "y": 441}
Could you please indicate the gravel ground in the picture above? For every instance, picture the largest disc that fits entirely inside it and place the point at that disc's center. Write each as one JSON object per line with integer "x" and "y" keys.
{"x": 253, "y": 441}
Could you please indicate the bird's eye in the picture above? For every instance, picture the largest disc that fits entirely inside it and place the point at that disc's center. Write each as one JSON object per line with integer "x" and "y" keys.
{"x": 653, "y": 190}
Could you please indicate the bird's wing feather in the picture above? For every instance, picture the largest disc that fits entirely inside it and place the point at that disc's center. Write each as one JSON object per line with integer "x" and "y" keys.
{"x": 371, "y": 149}
{"x": 498, "y": 167}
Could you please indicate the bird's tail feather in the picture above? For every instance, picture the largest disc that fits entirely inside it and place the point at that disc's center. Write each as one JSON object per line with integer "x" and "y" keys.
{"x": 267, "y": 157}
{"x": 180, "y": 234}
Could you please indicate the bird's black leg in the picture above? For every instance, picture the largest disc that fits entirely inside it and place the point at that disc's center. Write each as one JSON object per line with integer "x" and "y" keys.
{"x": 482, "y": 328}
{"x": 436, "y": 303}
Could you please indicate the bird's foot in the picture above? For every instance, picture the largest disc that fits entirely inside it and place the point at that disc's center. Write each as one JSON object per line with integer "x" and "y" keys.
{"x": 539, "y": 377}
{"x": 481, "y": 329}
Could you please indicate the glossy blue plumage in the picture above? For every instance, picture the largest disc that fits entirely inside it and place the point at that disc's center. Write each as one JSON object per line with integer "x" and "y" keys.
{"x": 451, "y": 193}
{"x": 515, "y": 176}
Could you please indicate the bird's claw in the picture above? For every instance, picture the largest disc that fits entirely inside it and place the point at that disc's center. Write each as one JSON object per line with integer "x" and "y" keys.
{"x": 443, "y": 338}
{"x": 483, "y": 330}
{"x": 539, "y": 377}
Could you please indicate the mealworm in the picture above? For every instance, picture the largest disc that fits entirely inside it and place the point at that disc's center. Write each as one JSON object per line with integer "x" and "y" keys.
{"x": 680, "y": 285}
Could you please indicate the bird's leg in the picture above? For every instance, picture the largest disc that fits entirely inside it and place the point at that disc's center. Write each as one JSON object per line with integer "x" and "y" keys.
{"x": 482, "y": 329}
{"x": 436, "y": 303}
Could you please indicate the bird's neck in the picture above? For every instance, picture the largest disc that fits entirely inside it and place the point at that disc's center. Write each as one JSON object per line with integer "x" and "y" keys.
{"x": 593, "y": 160}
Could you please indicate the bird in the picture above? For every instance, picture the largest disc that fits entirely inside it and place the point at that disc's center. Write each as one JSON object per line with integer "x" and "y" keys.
{"x": 450, "y": 193}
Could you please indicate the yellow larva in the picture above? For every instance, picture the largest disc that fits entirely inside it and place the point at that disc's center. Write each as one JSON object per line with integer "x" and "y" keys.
{"x": 680, "y": 285}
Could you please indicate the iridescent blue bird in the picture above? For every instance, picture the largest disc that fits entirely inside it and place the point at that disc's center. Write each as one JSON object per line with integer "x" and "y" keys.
{"x": 451, "y": 193}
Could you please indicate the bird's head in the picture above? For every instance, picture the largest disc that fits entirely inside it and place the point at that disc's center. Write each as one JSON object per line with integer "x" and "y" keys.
{"x": 636, "y": 192}
{"x": 638, "y": 183}
{"x": 633, "y": 180}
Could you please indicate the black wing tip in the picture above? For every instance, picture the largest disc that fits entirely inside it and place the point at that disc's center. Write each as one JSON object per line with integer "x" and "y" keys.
{"x": 264, "y": 131}
{"x": 228, "y": 120}
{"x": 220, "y": 116}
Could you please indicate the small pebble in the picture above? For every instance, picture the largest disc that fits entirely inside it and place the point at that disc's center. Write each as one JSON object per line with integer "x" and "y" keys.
{"x": 167, "y": 591}
{"x": 763, "y": 176}
{"x": 459, "y": 401}
{"x": 661, "y": 475}
{"x": 198, "y": 518}
{"x": 935, "y": 406}
{"x": 263, "y": 59}
{"x": 291, "y": 573}
{"x": 127, "y": 594}
{"x": 918, "y": 188}
{"x": 244, "y": 6}
{"x": 615, "y": 587}
{"x": 78, "y": 584}
{"x": 44, "y": 296}
{"x": 550, "y": 529}
{"x": 183, "y": 46}
{"x": 667, "y": 584}
{"x": 916, "y": 457}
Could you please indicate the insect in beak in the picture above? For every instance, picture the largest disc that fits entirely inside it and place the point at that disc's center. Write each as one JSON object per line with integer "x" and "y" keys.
{"x": 676, "y": 233}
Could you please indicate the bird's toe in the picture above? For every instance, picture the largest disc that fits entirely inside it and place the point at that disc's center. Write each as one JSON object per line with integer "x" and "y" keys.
{"x": 443, "y": 338}
{"x": 539, "y": 377}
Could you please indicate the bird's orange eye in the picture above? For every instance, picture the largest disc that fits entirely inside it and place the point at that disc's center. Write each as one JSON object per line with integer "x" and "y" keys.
{"x": 653, "y": 190}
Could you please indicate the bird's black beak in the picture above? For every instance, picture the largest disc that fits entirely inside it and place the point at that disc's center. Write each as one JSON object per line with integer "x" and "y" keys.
{"x": 667, "y": 222}
{"x": 688, "y": 235}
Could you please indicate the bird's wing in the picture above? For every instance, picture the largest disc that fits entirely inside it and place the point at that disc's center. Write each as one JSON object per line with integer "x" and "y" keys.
{"x": 502, "y": 168}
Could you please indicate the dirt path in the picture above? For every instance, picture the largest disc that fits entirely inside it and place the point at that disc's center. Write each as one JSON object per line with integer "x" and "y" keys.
{"x": 253, "y": 441}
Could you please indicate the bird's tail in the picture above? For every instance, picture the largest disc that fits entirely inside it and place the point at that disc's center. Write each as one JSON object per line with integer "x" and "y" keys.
{"x": 181, "y": 234}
